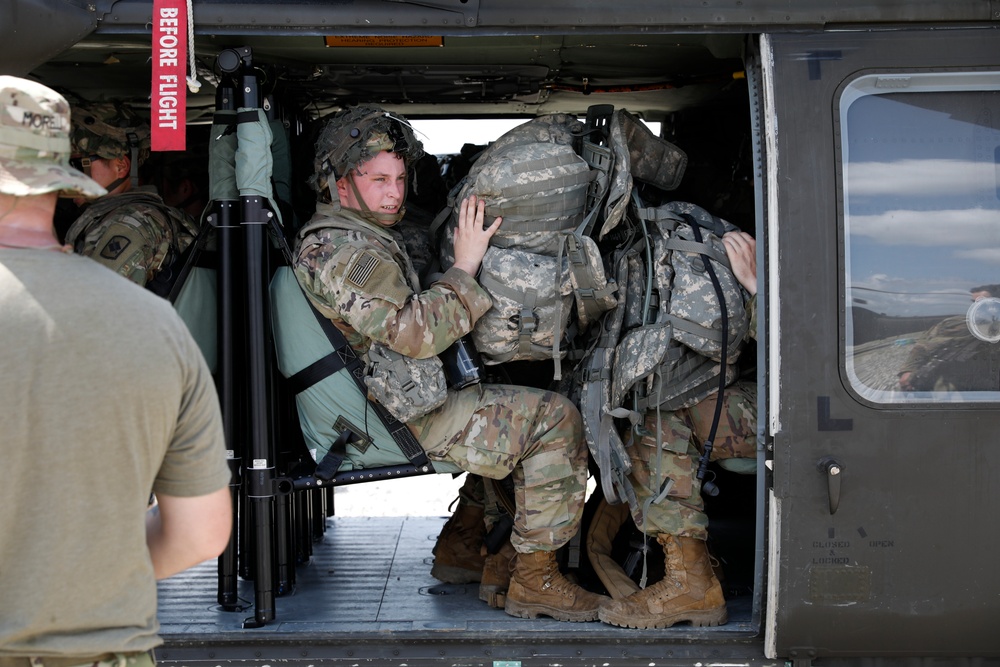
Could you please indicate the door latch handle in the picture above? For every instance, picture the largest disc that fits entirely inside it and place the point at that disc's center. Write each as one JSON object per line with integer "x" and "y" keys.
{"x": 833, "y": 470}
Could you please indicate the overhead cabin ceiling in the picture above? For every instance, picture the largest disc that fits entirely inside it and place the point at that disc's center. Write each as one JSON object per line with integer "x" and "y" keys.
{"x": 522, "y": 75}
{"x": 496, "y": 57}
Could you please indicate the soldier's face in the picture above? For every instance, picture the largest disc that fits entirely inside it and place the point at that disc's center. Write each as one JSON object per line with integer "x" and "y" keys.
{"x": 381, "y": 182}
{"x": 105, "y": 172}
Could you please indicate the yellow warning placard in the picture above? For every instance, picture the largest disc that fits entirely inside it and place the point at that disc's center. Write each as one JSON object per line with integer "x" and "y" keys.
{"x": 384, "y": 41}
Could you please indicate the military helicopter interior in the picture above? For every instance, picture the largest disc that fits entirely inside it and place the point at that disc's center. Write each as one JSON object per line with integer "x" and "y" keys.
{"x": 694, "y": 85}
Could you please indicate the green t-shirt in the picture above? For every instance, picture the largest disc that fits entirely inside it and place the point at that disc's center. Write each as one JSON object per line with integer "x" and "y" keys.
{"x": 104, "y": 397}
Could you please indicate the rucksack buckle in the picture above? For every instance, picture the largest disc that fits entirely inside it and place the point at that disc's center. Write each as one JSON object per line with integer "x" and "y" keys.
{"x": 528, "y": 321}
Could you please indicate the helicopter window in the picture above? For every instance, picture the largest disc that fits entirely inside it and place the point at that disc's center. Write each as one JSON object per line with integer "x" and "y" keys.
{"x": 921, "y": 187}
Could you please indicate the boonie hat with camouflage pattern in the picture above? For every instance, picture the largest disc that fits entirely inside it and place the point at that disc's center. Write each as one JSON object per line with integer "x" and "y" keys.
{"x": 34, "y": 143}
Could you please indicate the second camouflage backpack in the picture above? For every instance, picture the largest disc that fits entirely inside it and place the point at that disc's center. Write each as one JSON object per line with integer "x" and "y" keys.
{"x": 662, "y": 348}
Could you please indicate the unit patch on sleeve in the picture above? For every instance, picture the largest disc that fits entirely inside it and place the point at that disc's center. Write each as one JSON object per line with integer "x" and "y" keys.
{"x": 363, "y": 268}
{"x": 115, "y": 247}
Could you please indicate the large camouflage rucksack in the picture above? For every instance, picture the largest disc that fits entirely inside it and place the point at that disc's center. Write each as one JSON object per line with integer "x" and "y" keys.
{"x": 542, "y": 260}
{"x": 661, "y": 346}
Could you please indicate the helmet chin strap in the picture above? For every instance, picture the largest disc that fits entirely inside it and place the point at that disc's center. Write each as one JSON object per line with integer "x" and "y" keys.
{"x": 110, "y": 187}
{"x": 383, "y": 219}
{"x": 133, "y": 141}
{"x": 133, "y": 175}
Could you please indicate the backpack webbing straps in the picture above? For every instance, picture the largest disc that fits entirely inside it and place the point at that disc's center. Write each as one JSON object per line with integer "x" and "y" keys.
{"x": 529, "y": 224}
{"x": 527, "y": 322}
{"x": 590, "y": 296}
{"x": 552, "y": 185}
{"x": 596, "y": 376}
{"x": 328, "y": 365}
{"x": 708, "y": 486}
{"x": 600, "y": 159}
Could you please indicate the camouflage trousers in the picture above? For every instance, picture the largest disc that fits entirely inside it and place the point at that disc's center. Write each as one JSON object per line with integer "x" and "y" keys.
{"x": 533, "y": 435}
{"x": 681, "y": 434}
{"x": 475, "y": 492}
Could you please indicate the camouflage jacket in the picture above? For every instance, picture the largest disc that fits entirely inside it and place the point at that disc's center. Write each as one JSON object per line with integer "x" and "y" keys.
{"x": 133, "y": 233}
{"x": 356, "y": 274}
{"x": 949, "y": 358}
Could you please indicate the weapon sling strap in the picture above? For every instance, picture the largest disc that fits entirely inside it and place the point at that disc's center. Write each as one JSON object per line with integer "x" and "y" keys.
{"x": 343, "y": 356}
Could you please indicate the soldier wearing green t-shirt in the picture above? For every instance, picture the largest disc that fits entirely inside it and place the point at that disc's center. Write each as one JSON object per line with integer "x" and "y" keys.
{"x": 104, "y": 398}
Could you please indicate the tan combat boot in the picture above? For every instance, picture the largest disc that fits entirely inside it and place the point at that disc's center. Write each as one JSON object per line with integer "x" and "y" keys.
{"x": 537, "y": 587}
{"x": 496, "y": 576}
{"x": 458, "y": 557}
{"x": 689, "y": 591}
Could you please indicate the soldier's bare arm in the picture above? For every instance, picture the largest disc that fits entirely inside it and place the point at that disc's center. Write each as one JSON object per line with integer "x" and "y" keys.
{"x": 182, "y": 532}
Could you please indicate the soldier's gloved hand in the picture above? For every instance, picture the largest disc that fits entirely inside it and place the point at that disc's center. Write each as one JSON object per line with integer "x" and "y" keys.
{"x": 471, "y": 239}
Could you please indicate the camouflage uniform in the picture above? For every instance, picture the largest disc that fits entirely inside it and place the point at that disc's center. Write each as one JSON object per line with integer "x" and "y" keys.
{"x": 681, "y": 432}
{"x": 134, "y": 232}
{"x": 414, "y": 237}
{"x": 365, "y": 283}
{"x": 949, "y": 358}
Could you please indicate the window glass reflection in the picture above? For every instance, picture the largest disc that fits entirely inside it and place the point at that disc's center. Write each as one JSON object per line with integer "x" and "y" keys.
{"x": 922, "y": 244}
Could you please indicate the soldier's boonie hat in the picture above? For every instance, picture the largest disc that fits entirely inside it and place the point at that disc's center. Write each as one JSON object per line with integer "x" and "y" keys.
{"x": 109, "y": 130}
{"x": 35, "y": 143}
{"x": 354, "y": 136}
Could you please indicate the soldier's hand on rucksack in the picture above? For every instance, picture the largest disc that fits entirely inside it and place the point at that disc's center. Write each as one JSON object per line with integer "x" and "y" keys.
{"x": 471, "y": 239}
{"x": 741, "y": 248}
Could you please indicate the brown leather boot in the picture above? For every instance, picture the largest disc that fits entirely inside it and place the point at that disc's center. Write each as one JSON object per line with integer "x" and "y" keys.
{"x": 458, "y": 557}
{"x": 496, "y": 577}
{"x": 688, "y": 591}
{"x": 537, "y": 587}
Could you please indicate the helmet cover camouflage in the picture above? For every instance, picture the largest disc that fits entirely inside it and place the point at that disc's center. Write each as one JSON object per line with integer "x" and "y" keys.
{"x": 354, "y": 136}
{"x": 109, "y": 130}
{"x": 35, "y": 143}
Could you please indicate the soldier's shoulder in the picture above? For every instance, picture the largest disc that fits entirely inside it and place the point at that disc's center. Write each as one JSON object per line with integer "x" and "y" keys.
{"x": 949, "y": 327}
{"x": 338, "y": 240}
{"x": 136, "y": 214}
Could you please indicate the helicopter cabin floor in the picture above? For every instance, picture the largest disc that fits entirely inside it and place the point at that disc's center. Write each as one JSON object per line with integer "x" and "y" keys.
{"x": 369, "y": 579}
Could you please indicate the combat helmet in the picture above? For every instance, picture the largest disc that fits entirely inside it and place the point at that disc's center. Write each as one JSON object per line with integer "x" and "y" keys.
{"x": 355, "y": 135}
{"x": 110, "y": 130}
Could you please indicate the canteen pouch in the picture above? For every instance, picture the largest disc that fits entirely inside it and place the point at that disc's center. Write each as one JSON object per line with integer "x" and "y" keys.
{"x": 405, "y": 386}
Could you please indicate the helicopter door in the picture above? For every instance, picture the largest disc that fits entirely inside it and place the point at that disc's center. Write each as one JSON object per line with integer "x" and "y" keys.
{"x": 884, "y": 365}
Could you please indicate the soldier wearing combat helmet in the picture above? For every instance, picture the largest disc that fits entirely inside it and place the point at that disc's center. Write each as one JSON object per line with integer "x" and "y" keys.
{"x": 357, "y": 274}
{"x": 131, "y": 230}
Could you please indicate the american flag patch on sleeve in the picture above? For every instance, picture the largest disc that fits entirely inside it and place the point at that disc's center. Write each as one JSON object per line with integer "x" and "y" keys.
{"x": 363, "y": 269}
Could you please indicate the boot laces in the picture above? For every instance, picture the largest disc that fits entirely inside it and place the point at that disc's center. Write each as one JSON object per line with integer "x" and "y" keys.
{"x": 553, "y": 579}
